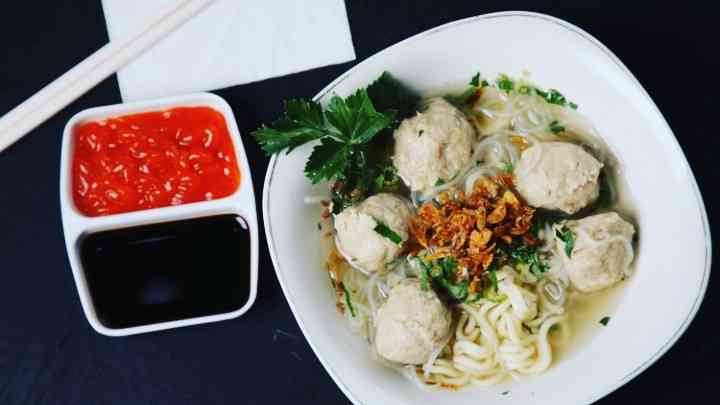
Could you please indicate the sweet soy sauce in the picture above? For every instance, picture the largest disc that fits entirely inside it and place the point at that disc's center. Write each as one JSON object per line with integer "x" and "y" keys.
{"x": 168, "y": 271}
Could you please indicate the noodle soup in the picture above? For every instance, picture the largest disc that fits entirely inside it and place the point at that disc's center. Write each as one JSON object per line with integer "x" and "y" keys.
{"x": 470, "y": 237}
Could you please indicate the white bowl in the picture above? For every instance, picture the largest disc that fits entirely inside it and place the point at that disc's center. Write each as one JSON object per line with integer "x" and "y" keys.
{"x": 76, "y": 225}
{"x": 673, "y": 262}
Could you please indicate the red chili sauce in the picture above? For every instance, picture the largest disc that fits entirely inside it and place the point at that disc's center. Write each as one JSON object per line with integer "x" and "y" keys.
{"x": 154, "y": 159}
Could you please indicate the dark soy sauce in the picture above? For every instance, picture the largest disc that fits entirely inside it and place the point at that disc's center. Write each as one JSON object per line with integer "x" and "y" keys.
{"x": 168, "y": 271}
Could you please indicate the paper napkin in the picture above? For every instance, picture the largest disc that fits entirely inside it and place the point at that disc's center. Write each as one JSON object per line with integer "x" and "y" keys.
{"x": 229, "y": 43}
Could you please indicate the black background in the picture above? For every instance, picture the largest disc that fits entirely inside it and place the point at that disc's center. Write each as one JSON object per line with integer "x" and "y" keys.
{"x": 50, "y": 355}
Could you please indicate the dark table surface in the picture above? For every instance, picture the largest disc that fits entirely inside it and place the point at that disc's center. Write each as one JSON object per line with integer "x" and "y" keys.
{"x": 50, "y": 355}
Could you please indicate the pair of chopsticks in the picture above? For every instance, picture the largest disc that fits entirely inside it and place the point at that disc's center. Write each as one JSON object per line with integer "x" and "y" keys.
{"x": 91, "y": 71}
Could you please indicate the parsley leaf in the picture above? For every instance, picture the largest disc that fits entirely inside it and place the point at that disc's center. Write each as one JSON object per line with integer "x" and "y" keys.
{"x": 439, "y": 182}
{"x": 327, "y": 160}
{"x": 354, "y": 119}
{"x": 566, "y": 235}
{"x": 475, "y": 81}
{"x": 302, "y": 122}
{"x": 390, "y": 95}
{"x": 604, "y": 321}
{"x": 355, "y": 134}
{"x": 508, "y": 167}
{"x": 385, "y": 231}
{"x": 555, "y": 127}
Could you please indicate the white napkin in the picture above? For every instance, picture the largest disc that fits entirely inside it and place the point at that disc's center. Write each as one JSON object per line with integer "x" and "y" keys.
{"x": 230, "y": 43}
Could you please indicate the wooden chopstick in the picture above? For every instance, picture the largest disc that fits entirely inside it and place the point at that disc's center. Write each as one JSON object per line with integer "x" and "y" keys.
{"x": 91, "y": 71}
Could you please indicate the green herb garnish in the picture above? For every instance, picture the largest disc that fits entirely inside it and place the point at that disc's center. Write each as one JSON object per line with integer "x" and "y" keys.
{"x": 519, "y": 255}
{"x": 444, "y": 277}
{"x": 476, "y": 82}
{"x": 555, "y": 127}
{"x": 463, "y": 99}
{"x": 457, "y": 291}
{"x": 505, "y": 83}
{"x": 553, "y": 96}
{"x": 492, "y": 275}
{"x": 604, "y": 321}
{"x": 348, "y": 301}
{"x": 470, "y": 94}
{"x": 473, "y": 297}
{"x": 319, "y": 226}
{"x": 568, "y": 238}
{"x": 385, "y": 231}
{"x": 508, "y": 167}
{"x": 387, "y": 179}
{"x": 425, "y": 278}
{"x": 355, "y": 135}
{"x": 389, "y": 94}
{"x": 439, "y": 182}
{"x": 441, "y": 274}
{"x": 342, "y": 127}
{"x": 508, "y": 85}
{"x": 302, "y": 122}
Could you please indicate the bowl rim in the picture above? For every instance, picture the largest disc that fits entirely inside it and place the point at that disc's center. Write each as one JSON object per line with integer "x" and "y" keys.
{"x": 593, "y": 41}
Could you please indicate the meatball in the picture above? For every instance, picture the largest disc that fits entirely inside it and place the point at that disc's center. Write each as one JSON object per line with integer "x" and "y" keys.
{"x": 558, "y": 176}
{"x": 433, "y": 146}
{"x": 357, "y": 238}
{"x": 602, "y": 251}
{"x": 411, "y": 324}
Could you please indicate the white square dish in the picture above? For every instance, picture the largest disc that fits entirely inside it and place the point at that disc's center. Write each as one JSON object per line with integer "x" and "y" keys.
{"x": 76, "y": 225}
{"x": 657, "y": 304}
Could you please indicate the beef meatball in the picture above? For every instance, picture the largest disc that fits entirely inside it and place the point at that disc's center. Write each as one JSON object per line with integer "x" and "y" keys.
{"x": 411, "y": 324}
{"x": 602, "y": 251}
{"x": 558, "y": 176}
{"x": 359, "y": 238}
{"x": 433, "y": 146}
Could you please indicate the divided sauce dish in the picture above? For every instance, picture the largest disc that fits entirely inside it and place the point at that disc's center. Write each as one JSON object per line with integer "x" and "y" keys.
{"x": 237, "y": 209}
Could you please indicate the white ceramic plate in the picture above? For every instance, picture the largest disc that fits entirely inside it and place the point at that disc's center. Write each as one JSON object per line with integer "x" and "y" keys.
{"x": 673, "y": 263}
